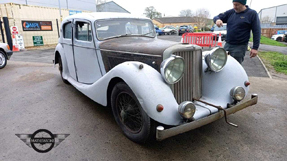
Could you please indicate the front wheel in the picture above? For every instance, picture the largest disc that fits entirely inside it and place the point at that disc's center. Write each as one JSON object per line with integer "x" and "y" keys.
{"x": 61, "y": 70}
{"x": 279, "y": 39}
{"x": 3, "y": 59}
{"x": 130, "y": 116}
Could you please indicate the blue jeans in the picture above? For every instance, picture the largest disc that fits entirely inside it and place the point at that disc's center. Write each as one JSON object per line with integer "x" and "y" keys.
{"x": 236, "y": 51}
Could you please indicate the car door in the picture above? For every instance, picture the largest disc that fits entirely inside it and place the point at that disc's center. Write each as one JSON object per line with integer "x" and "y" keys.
{"x": 86, "y": 61}
{"x": 68, "y": 47}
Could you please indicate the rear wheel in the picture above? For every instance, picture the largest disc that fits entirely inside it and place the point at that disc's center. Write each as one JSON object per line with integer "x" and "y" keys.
{"x": 61, "y": 70}
{"x": 3, "y": 60}
{"x": 130, "y": 116}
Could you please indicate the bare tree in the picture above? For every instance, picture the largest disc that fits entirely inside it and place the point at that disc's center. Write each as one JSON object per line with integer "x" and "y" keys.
{"x": 266, "y": 19}
{"x": 201, "y": 17}
{"x": 101, "y": 5}
{"x": 186, "y": 13}
{"x": 151, "y": 13}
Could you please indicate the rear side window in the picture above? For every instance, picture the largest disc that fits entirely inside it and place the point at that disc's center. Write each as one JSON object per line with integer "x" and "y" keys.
{"x": 83, "y": 31}
{"x": 68, "y": 30}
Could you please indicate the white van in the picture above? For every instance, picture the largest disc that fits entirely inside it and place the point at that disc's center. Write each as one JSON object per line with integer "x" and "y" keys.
{"x": 222, "y": 30}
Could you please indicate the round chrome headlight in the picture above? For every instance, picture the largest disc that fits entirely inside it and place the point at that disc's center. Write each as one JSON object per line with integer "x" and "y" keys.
{"x": 186, "y": 109}
{"x": 216, "y": 60}
{"x": 172, "y": 69}
{"x": 237, "y": 93}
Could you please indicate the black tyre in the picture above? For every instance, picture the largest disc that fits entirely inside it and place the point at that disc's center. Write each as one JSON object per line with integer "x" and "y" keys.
{"x": 3, "y": 59}
{"x": 279, "y": 39}
{"x": 129, "y": 115}
{"x": 61, "y": 70}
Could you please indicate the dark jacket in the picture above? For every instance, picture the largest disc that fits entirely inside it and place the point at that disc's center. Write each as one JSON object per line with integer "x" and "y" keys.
{"x": 239, "y": 26}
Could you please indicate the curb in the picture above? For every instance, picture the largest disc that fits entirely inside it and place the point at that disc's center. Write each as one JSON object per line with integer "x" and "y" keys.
{"x": 264, "y": 67}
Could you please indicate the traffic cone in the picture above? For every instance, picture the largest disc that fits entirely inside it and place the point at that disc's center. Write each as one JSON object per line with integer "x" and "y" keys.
{"x": 219, "y": 43}
{"x": 15, "y": 45}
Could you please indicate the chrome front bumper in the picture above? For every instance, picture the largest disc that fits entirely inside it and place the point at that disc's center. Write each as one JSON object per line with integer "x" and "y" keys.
{"x": 162, "y": 134}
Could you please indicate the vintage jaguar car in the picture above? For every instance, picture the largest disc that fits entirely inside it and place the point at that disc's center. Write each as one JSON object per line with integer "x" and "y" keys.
{"x": 156, "y": 88}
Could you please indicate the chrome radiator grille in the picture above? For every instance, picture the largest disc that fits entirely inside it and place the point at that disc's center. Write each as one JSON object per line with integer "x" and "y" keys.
{"x": 190, "y": 86}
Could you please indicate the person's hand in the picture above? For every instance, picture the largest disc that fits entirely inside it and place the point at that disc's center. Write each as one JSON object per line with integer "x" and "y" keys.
{"x": 253, "y": 53}
{"x": 219, "y": 23}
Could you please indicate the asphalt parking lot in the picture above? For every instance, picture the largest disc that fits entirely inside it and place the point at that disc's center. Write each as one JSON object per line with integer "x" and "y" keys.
{"x": 34, "y": 97}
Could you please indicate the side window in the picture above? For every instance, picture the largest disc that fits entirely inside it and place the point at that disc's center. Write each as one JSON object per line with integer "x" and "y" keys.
{"x": 83, "y": 31}
{"x": 67, "y": 31}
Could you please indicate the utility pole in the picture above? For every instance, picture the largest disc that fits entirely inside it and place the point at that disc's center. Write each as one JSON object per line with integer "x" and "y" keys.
{"x": 96, "y": 5}
{"x": 250, "y": 4}
{"x": 60, "y": 11}
{"x": 67, "y": 4}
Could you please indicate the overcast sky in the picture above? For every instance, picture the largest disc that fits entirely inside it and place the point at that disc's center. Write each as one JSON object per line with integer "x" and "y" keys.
{"x": 173, "y": 7}
{"x": 166, "y": 7}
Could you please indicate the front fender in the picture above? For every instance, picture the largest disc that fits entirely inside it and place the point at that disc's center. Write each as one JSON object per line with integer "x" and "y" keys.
{"x": 216, "y": 86}
{"x": 146, "y": 83}
{"x": 151, "y": 90}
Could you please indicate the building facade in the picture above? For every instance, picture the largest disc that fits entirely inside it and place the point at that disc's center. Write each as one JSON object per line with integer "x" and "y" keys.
{"x": 33, "y": 21}
{"x": 276, "y": 15}
{"x": 174, "y": 21}
{"x": 273, "y": 19}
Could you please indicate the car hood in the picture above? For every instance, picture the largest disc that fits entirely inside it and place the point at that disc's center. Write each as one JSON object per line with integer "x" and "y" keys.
{"x": 277, "y": 35}
{"x": 143, "y": 45}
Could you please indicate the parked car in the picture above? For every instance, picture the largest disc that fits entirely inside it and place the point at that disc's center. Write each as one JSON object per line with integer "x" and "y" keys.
{"x": 285, "y": 37}
{"x": 5, "y": 54}
{"x": 158, "y": 31}
{"x": 277, "y": 37}
{"x": 155, "y": 88}
{"x": 222, "y": 30}
{"x": 169, "y": 30}
{"x": 185, "y": 29}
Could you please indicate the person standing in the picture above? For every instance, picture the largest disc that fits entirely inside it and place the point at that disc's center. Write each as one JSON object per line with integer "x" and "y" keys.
{"x": 240, "y": 21}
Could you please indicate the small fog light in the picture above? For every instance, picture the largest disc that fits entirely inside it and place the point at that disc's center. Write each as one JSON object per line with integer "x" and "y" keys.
{"x": 186, "y": 109}
{"x": 237, "y": 93}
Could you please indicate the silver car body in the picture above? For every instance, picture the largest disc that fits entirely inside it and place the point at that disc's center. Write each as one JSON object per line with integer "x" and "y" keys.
{"x": 146, "y": 83}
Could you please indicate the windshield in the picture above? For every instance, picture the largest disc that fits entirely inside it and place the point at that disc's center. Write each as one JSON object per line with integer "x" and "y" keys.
{"x": 117, "y": 27}
{"x": 222, "y": 28}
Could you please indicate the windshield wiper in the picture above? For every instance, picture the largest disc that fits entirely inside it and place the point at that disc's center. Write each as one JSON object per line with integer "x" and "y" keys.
{"x": 127, "y": 35}
{"x": 118, "y": 36}
{"x": 147, "y": 34}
